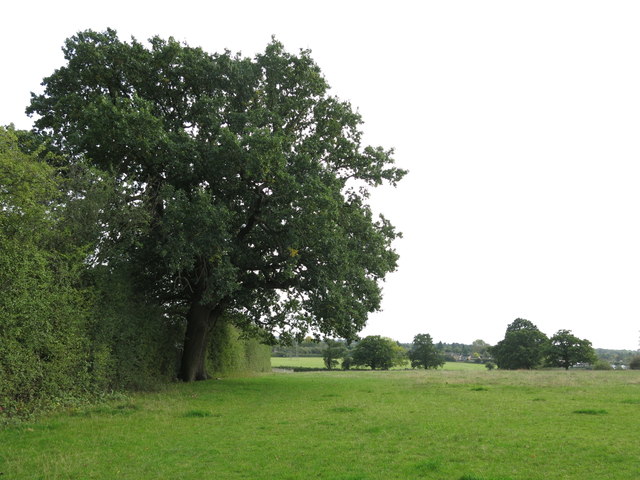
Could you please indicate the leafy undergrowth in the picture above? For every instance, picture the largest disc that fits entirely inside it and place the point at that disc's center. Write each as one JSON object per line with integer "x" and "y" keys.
{"x": 471, "y": 425}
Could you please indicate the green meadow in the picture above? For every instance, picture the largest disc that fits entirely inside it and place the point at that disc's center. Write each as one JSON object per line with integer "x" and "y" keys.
{"x": 447, "y": 424}
{"x": 318, "y": 362}
{"x": 297, "y": 362}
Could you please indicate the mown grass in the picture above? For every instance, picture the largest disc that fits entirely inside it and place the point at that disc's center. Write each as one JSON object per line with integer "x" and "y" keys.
{"x": 441, "y": 425}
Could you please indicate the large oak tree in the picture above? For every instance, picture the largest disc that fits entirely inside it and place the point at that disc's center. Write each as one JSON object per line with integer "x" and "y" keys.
{"x": 523, "y": 346}
{"x": 250, "y": 178}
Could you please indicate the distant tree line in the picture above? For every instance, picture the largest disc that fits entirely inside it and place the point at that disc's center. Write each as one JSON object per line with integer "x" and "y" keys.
{"x": 307, "y": 347}
{"x": 616, "y": 358}
{"x": 523, "y": 347}
{"x": 374, "y": 351}
{"x": 476, "y": 352}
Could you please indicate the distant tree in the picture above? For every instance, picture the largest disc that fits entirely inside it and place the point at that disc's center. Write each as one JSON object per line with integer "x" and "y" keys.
{"x": 378, "y": 352}
{"x": 490, "y": 365}
{"x": 332, "y": 353}
{"x": 634, "y": 364}
{"x": 480, "y": 347}
{"x": 601, "y": 364}
{"x": 346, "y": 361}
{"x": 523, "y": 346}
{"x": 423, "y": 353}
{"x": 566, "y": 350}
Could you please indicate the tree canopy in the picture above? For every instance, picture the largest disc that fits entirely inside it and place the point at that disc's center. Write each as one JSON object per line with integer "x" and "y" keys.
{"x": 566, "y": 350}
{"x": 247, "y": 182}
{"x": 378, "y": 352}
{"x": 332, "y": 352}
{"x": 523, "y": 346}
{"x": 423, "y": 353}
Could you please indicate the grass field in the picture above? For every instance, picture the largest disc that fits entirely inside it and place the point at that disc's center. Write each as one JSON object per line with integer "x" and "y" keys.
{"x": 444, "y": 424}
{"x": 318, "y": 362}
{"x": 293, "y": 362}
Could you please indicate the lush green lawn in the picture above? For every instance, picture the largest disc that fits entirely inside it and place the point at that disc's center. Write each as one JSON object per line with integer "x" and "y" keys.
{"x": 348, "y": 425}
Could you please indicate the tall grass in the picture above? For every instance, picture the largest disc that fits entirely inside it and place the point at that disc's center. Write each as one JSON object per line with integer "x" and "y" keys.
{"x": 441, "y": 425}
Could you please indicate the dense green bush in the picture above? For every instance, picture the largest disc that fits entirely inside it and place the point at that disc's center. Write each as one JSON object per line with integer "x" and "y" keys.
{"x": 601, "y": 364}
{"x": 42, "y": 338}
{"x": 133, "y": 343}
{"x": 71, "y": 326}
{"x": 634, "y": 364}
{"x": 232, "y": 352}
{"x": 43, "y": 307}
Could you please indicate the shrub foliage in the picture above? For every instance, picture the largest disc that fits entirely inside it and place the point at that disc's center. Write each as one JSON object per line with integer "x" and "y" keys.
{"x": 71, "y": 328}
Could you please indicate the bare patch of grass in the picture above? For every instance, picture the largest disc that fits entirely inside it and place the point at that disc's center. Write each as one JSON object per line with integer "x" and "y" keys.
{"x": 590, "y": 411}
{"x": 199, "y": 414}
{"x": 344, "y": 409}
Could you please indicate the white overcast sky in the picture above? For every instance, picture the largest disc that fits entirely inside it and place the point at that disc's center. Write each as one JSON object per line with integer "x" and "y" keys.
{"x": 518, "y": 120}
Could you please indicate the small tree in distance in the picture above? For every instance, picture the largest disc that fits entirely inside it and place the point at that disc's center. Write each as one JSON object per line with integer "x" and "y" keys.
{"x": 378, "y": 352}
{"x": 566, "y": 350}
{"x": 332, "y": 353}
{"x": 423, "y": 353}
{"x": 634, "y": 364}
{"x": 480, "y": 347}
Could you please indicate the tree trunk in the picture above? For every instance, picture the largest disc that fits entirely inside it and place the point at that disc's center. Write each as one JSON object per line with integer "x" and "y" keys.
{"x": 200, "y": 321}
